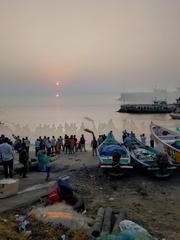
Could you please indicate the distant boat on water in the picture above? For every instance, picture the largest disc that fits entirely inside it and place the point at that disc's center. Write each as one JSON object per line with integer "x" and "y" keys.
{"x": 176, "y": 113}
{"x": 156, "y": 107}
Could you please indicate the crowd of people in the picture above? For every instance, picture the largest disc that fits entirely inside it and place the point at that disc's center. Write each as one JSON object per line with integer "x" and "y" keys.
{"x": 127, "y": 139}
{"x": 45, "y": 147}
{"x": 68, "y": 144}
{"x": 7, "y": 154}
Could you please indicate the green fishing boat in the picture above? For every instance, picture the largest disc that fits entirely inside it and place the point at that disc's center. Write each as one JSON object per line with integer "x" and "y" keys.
{"x": 114, "y": 158}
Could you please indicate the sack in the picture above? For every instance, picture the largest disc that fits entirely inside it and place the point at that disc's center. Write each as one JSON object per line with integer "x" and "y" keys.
{"x": 54, "y": 196}
{"x": 126, "y": 235}
{"x": 64, "y": 181}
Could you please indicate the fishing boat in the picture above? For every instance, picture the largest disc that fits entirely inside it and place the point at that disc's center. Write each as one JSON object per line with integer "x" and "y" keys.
{"x": 148, "y": 158}
{"x": 114, "y": 158}
{"x": 167, "y": 141}
{"x": 176, "y": 113}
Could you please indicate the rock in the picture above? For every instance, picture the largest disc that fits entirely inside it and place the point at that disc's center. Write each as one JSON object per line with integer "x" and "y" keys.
{"x": 142, "y": 189}
{"x": 136, "y": 204}
{"x": 77, "y": 159}
{"x": 111, "y": 199}
{"x": 27, "y": 233}
{"x": 127, "y": 225}
{"x": 63, "y": 237}
{"x": 162, "y": 192}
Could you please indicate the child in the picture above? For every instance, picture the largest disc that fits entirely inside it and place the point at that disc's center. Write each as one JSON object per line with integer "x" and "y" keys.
{"x": 47, "y": 162}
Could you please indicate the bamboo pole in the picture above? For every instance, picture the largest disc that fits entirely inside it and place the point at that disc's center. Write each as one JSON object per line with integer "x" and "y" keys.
{"x": 106, "y": 228}
{"x": 121, "y": 216}
{"x": 96, "y": 229}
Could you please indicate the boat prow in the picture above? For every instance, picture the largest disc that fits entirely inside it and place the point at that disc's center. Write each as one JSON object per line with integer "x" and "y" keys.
{"x": 175, "y": 115}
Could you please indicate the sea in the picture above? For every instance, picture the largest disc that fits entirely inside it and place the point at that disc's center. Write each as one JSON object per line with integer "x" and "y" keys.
{"x": 71, "y": 114}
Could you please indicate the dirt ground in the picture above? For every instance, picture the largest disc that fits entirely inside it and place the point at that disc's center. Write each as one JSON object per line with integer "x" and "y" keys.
{"x": 152, "y": 203}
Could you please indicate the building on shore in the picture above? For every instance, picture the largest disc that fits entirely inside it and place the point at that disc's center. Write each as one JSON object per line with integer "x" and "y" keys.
{"x": 150, "y": 97}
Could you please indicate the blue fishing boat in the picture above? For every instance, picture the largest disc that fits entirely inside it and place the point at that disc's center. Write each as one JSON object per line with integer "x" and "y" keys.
{"x": 114, "y": 158}
{"x": 148, "y": 158}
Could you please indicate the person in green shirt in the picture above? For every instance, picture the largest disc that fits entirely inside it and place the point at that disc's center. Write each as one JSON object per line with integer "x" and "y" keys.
{"x": 47, "y": 162}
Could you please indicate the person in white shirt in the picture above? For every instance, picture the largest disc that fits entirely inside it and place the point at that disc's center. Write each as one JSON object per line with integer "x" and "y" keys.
{"x": 53, "y": 144}
{"x": 7, "y": 157}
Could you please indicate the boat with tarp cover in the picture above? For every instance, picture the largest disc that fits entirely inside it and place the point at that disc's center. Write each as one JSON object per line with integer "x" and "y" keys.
{"x": 167, "y": 141}
{"x": 149, "y": 159}
{"x": 114, "y": 158}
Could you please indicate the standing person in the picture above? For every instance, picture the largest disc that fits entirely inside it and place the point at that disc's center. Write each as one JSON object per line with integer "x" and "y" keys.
{"x": 132, "y": 135}
{"x": 127, "y": 142}
{"x": 78, "y": 146}
{"x": 2, "y": 137}
{"x": 53, "y": 143}
{"x": 75, "y": 143}
{"x": 66, "y": 144}
{"x": 71, "y": 143}
{"x": 59, "y": 145}
{"x": 125, "y": 134}
{"x": 7, "y": 157}
{"x": 47, "y": 161}
{"x": 83, "y": 143}
{"x": 100, "y": 140}
{"x": 151, "y": 141}
{"x": 27, "y": 144}
{"x": 44, "y": 142}
{"x": 37, "y": 145}
{"x": 41, "y": 142}
{"x": 94, "y": 146}
{"x": 17, "y": 143}
{"x": 23, "y": 159}
{"x": 41, "y": 157}
{"x": 48, "y": 146}
{"x": 143, "y": 139}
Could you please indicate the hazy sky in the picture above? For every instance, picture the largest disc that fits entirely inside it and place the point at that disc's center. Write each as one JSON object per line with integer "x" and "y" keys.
{"x": 88, "y": 45}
